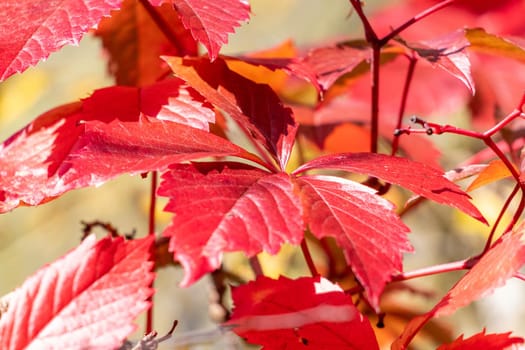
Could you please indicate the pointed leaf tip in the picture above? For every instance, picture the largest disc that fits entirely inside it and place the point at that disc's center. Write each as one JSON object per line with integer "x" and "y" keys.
{"x": 417, "y": 177}
{"x": 210, "y": 22}
{"x": 255, "y": 107}
{"x": 364, "y": 225}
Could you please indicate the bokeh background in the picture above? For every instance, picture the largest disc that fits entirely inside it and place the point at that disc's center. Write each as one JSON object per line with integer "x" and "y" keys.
{"x": 31, "y": 237}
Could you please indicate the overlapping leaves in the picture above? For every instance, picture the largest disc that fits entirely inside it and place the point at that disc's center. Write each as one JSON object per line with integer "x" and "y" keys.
{"x": 226, "y": 206}
{"x": 117, "y": 130}
{"x": 31, "y": 30}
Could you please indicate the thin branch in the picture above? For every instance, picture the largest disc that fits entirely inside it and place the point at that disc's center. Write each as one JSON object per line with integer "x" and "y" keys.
{"x": 519, "y": 275}
{"x": 500, "y": 216}
{"x": 406, "y": 88}
{"x": 256, "y": 266}
{"x": 370, "y": 34}
{"x": 374, "y": 119}
{"x": 434, "y": 270}
{"x": 396, "y": 31}
{"x": 151, "y": 231}
{"x": 308, "y": 258}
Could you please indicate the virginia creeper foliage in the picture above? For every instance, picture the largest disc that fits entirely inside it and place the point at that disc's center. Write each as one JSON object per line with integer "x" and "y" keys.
{"x": 248, "y": 165}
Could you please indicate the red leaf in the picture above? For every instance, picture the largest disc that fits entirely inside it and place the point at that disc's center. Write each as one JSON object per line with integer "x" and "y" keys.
{"x": 86, "y": 299}
{"x": 37, "y": 163}
{"x": 372, "y": 236}
{"x": 318, "y": 316}
{"x": 31, "y": 30}
{"x": 447, "y": 52}
{"x": 253, "y": 106}
{"x": 210, "y": 22}
{"x": 106, "y": 150}
{"x": 227, "y": 207}
{"x": 330, "y": 63}
{"x": 416, "y": 177}
{"x": 494, "y": 268}
{"x": 135, "y": 43}
{"x": 483, "y": 341}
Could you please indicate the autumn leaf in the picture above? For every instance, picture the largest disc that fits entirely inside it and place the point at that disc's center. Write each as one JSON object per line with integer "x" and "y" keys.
{"x": 292, "y": 66}
{"x": 31, "y": 30}
{"x": 87, "y": 298}
{"x": 364, "y": 225}
{"x": 265, "y": 118}
{"x": 496, "y": 170}
{"x": 449, "y": 53}
{"x": 494, "y": 268}
{"x": 227, "y": 207}
{"x": 502, "y": 46}
{"x": 330, "y": 63}
{"x": 483, "y": 341}
{"x": 117, "y": 130}
{"x": 210, "y": 22}
{"x": 135, "y": 42}
{"x": 416, "y": 177}
{"x": 319, "y": 316}
{"x": 276, "y": 66}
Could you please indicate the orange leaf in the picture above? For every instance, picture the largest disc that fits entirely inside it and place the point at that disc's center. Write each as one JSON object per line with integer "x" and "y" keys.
{"x": 496, "y": 170}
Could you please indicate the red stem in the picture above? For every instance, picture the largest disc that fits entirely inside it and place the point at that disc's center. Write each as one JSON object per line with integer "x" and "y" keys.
{"x": 256, "y": 266}
{"x": 370, "y": 34}
{"x": 500, "y": 216}
{"x": 408, "y": 80}
{"x": 151, "y": 231}
{"x": 485, "y": 137}
{"x": 373, "y": 40}
{"x": 162, "y": 25}
{"x": 396, "y": 31}
{"x": 308, "y": 258}
{"x": 434, "y": 270}
{"x": 518, "y": 212}
{"x": 374, "y": 119}
{"x": 519, "y": 275}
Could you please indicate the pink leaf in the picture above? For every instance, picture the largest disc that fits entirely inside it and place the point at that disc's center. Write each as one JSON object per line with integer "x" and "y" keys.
{"x": 483, "y": 341}
{"x": 416, "y": 177}
{"x": 318, "y": 316}
{"x": 86, "y": 299}
{"x": 253, "y": 106}
{"x": 494, "y": 268}
{"x": 31, "y": 30}
{"x": 365, "y": 226}
{"x": 109, "y": 134}
{"x": 210, "y": 22}
{"x": 227, "y": 207}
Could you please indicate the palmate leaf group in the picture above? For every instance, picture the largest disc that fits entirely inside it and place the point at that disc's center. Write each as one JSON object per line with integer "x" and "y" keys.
{"x": 225, "y": 197}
